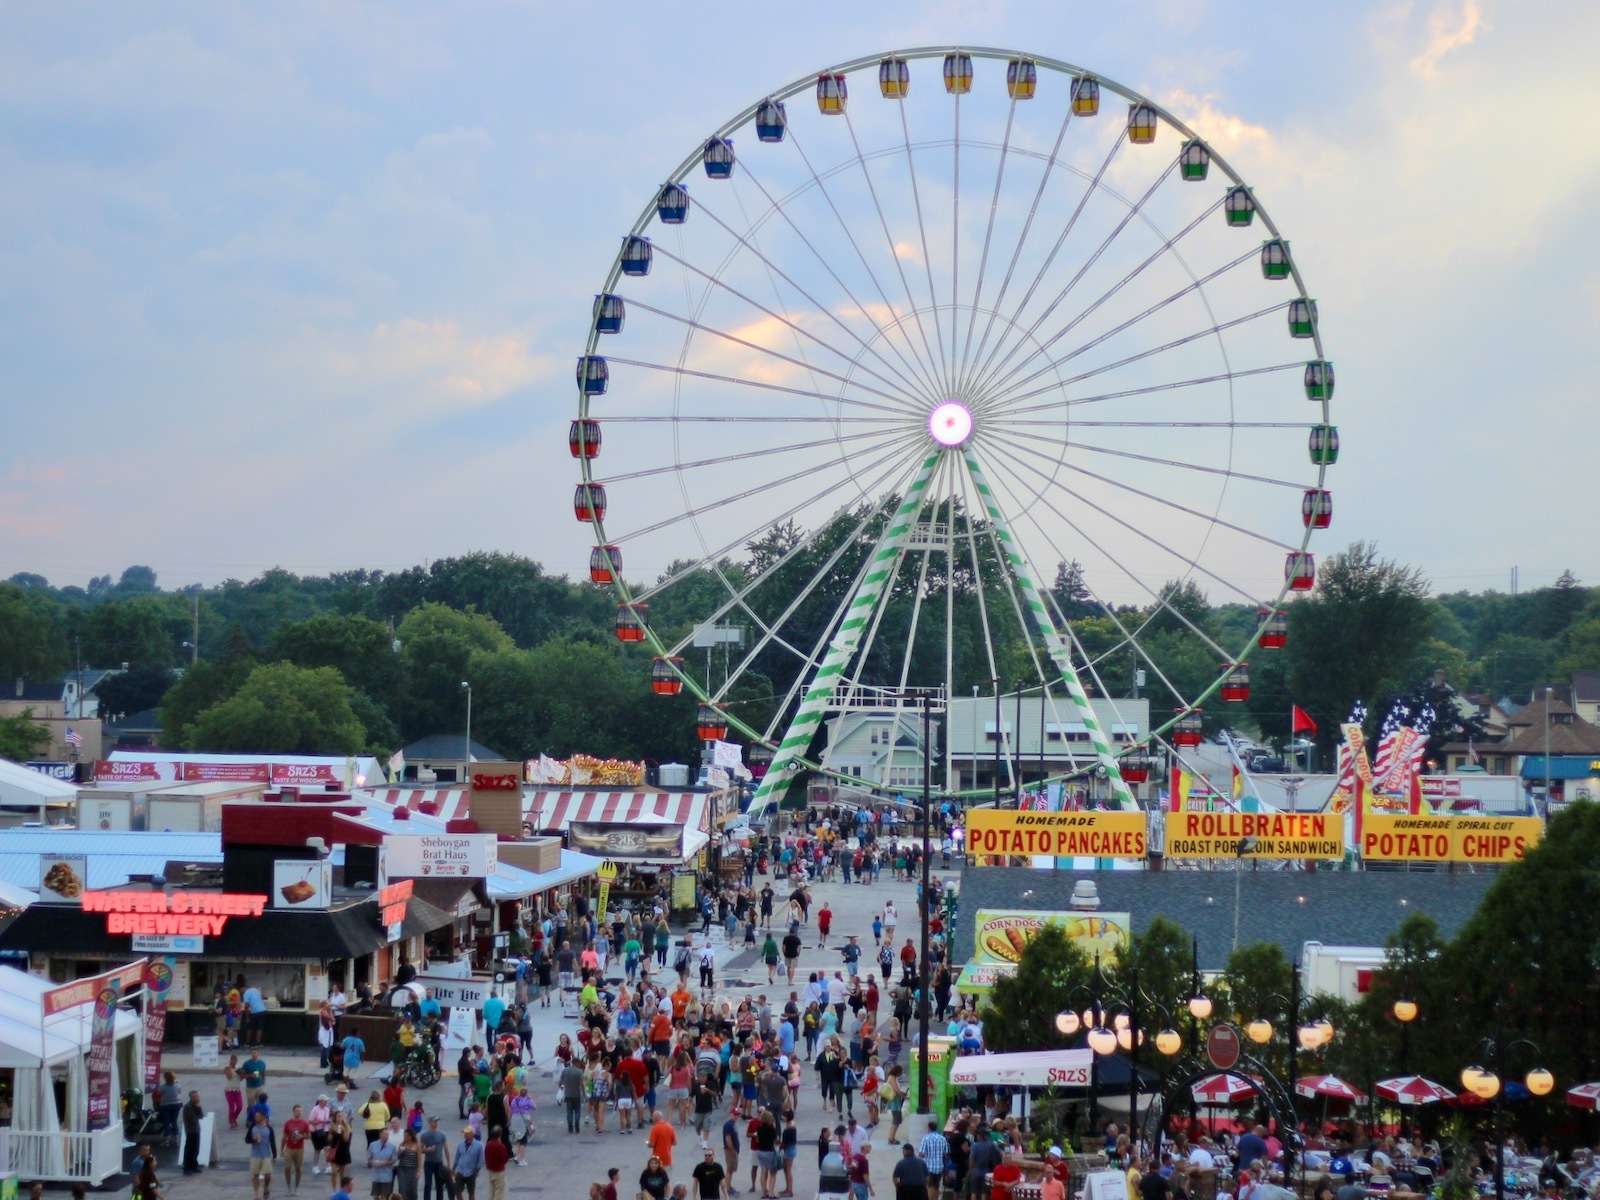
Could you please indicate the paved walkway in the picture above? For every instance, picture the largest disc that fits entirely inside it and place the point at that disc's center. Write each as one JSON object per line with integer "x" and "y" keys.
{"x": 561, "y": 1164}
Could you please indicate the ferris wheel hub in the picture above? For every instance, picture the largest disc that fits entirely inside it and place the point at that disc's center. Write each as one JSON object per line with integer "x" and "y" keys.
{"x": 950, "y": 424}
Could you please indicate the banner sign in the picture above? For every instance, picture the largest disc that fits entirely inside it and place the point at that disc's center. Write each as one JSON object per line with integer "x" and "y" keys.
{"x": 452, "y": 993}
{"x": 392, "y": 901}
{"x": 607, "y": 875}
{"x": 1276, "y": 835}
{"x": 100, "y": 1052}
{"x": 106, "y": 771}
{"x": 1000, "y": 935}
{"x": 63, "y": 878}
{"x": 1441, "y": 787}
{"x": 55, "y": 770}
{"x": 1061, "y": 834}
{"x": 1448, "y": 839}
{"x": 157, "y": 983}
{"x": 167, "y": 943}
{"x": 82, "y": 991}
{"x": 726, "y": 754}
{"x": 319, "y": 774}
{"x": 658, "y": 843}
{"x": 225, "y": 772}
{"x": 447, "y": 855}
{"x": 459, "y": 1032}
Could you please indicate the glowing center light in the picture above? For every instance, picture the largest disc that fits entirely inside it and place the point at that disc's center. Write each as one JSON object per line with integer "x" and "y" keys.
{"x": 950, "y": 424}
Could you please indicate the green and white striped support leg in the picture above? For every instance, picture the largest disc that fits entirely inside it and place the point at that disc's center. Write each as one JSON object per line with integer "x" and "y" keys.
{"x": 846, "y": 641}
{"x": 1053, "y": 640}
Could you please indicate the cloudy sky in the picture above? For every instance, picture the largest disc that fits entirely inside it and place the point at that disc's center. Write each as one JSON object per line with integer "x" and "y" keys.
{"x": 301, "y": 284}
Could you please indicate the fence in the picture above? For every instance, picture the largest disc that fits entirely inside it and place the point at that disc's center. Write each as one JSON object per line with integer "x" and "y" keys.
{"x": 69, "y": 1157}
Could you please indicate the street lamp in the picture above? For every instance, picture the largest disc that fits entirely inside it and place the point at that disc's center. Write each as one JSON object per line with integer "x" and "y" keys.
{"x": 1311, "y": 1036}
{"x": 1245, "y": 846}
{"x": 1486, "y": 1085}
{"x": 466, "y": 750}
{"x": 1405, "y": 1011}
{"x": 1547, "y": 692}
{"x": 1121, "y": 1031}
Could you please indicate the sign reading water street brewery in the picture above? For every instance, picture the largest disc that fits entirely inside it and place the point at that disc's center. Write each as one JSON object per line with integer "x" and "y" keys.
{"x": 1276, "y": 835}
{"x": 187, "y": 914}
{"x": 1448, "y": 839}
{"x": 1062, "y": 834}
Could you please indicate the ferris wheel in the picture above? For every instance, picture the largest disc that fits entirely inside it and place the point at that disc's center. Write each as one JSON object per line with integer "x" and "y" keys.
{"x": 946, "y": 367}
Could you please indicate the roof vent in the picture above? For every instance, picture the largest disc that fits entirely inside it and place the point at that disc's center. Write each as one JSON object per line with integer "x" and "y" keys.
{"x": 1085, "y": 896}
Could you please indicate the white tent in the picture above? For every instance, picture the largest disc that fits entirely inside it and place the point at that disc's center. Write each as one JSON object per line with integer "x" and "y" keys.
{"x": 1040, "y": 1068}
{"x": 24, "y": 788}
{"x": 42, "y": 1143}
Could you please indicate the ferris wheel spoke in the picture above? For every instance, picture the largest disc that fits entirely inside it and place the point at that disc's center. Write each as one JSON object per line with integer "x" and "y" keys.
{"x": 1049, "y": 259}
{"x": 807, "y": 472}
{"x": 739, "y": 419}
{"x": 1022, "y": 237}
{"x": 1208, "y": 518}
{"x": 895, "y": 413}
{"x": 1143, "y": 355}
{"x": 1017, "y": 343}
{"x": 916, "y": 202}
{"x": 955, "y": 240}
{"x": 702, "y": 327}
{"x": 1153, "y": 389}
{"x": 988, "y": 237}
{"x": 922, "y": 387}
{"x": 1041, "y": 423}
{"x": 932, "y": 382}
{"x": 723, "y": 460}
{"x": 1196, "y": 285}
{"x": 816, "y": 306}
{"x": 1024, "y": 451}
{"x": 888, "y": 237}
{"x": 1180, "y": 464}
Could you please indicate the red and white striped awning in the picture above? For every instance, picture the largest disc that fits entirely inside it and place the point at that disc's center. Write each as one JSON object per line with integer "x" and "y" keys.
{"x": 448, "y": 804}
{"x": 552, "y": 811}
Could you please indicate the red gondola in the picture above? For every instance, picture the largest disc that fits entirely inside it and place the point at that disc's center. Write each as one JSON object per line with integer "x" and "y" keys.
{"x": 1188, "y": 731}
{"x": 664, "y": 678}
{"x": 710, "y": 724}
{"x": 1316, "y": 508}
{"x": 605, "y": 564}
{"x": 583, "y": 438}
{"x": 630, "y": 622}
{"x": 1236, "y": 687}
{"x": 1274, "y": 626}
{"x": 1300, "y": 570}
{"x": 589, "y": 502}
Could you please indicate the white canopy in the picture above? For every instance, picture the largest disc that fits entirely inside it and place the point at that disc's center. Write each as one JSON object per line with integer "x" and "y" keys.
{"x": 22, "y": 787}
{"x": 1041, "y": 1068}
{"x": 26, "y": 1040}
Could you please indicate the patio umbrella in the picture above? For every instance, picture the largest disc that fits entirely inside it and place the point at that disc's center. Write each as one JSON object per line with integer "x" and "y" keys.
{"x": 1329, "y": 1087}
{"x": 1585, "y": 1095}
{"x": 1412, "y": 1089}
{"x": 1222, "y": 1089}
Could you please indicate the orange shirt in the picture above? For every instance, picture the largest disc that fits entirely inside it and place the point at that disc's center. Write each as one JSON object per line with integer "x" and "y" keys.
{"x": 661, "y": 1028}
{"x": 680, "y": 1004}
{"x": 662, "y": 1138}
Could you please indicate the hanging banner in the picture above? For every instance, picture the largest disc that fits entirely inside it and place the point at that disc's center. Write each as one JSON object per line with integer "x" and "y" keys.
{"x": 992, "y": 831}
{"x": 157, "y": 983}
{"x": 726, "y": 754}
{"x": 1448, "y": 839}
{"x": 1273, "y": 835}
{"x": 83, "y": 991}
{"x": 607, "y": 874}
{"x": 100, "y": 1053}
{"x": 225, "y": 772}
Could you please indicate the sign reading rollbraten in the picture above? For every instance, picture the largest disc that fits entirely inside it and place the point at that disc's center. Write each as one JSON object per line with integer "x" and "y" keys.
{"x": 1277, "y": 835}
{"x": 1448, "y": 839}
{"x": 1062, "y": 834}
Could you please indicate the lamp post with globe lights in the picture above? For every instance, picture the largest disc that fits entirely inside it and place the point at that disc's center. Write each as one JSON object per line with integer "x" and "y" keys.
{"x": 1310, "y": 1035}
{"x": 1488, "y": 1084}
{"x": 1112, "y": 1022}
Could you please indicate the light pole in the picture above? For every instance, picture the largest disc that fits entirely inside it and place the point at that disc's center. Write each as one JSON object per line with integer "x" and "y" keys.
{"x": 1311, "y": 1036}
{"x": 1244, "y": 847}
{"x": 999, "y": 732}
{"x": 1405, "y": 1011}
{"x": 466, "y": 751}
{"x": 1486, "y": 1085}
{"x": 1547, "y": 692}
{"x": 926, "y": 905}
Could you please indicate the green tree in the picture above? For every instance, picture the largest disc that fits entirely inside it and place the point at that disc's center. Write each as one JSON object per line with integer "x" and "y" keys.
{"x": 203, "y": 686}
{"x": 361, "y": 649}
{"x": 31, "y": 642}
{"x": 1022, "y": 1009}
{"x": 139, "y": 632}
{"x": 436, "y": 644}
{"x": 282, "y": 708}
{"x": 1164, "y": 956}
{"x": 133, "y": 690}
{"x": 1356, "y": 636}
{"x": 22, "y": 739}
{"x": 382, "y": 736}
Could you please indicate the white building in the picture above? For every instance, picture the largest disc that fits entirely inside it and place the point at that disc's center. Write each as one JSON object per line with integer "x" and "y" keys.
{"x": 1032, "y": 737}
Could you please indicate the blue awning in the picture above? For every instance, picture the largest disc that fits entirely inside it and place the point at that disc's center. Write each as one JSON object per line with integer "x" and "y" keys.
{"x": 1562, "y": 766}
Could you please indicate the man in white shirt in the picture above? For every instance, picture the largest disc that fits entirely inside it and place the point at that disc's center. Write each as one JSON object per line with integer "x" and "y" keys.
{"x": 838, "y": 994}
{"x": 1200, "y": 1156}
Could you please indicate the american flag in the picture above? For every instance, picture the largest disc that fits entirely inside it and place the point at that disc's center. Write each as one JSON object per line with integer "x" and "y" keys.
{"x": 1423, "y": 725}
{"x": 1398, "y": 719}
{"x": 1347, "y": 762}
{"x": 74, "y": 738}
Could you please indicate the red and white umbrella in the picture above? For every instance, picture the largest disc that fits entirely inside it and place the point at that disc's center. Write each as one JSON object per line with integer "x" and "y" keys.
{"x": 1329, "y": 1087}
{"x": 1222, "y": 1089}
{"x": 1585, "y": 1095}
{"x": 1412, "y": 1089}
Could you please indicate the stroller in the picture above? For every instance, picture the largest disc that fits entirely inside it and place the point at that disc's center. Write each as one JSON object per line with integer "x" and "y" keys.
{"x": 139, "y": 1122}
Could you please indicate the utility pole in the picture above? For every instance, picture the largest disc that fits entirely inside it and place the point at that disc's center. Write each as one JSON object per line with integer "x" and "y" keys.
{"x": 194, "y": 641}
{"x": 923, "y": 1092}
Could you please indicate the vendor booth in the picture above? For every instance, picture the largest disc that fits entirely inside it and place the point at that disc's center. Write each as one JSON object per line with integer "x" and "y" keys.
{"x": 46, "y": 1036}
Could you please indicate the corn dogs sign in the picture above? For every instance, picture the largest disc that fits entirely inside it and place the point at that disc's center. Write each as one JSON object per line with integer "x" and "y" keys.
{"x": 1061, "y": 834}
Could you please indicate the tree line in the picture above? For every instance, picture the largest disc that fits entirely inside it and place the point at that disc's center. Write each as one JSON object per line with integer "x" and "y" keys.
{"x": 369, "y": 660}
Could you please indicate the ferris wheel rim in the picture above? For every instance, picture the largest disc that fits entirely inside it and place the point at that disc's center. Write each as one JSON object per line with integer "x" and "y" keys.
{"x": 587, "y": 466}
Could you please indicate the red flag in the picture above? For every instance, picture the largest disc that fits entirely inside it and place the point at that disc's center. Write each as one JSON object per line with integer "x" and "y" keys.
{"x": 1301, "y": 721}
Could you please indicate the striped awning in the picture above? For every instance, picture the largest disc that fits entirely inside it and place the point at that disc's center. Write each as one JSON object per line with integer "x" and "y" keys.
{"x": 448, "y": 804}
{"x": 552, "y": 811}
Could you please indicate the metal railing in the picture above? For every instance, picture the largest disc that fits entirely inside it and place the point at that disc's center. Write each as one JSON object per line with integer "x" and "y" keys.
{"x": 91, "y": 1157}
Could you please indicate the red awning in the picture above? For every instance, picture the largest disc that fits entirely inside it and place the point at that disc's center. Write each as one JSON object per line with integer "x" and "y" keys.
{"x": 551, "y": 812}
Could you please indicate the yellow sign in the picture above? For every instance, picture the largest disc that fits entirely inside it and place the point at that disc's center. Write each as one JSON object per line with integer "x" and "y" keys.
{"x": 606, "y": 872}
{"x": 1000, "y": 935}
{"x": 607, "y": 875}
{"x": 1273, "y": 835}
{"x": 1448, "y": 839}
{"x": 1060, "y": 834}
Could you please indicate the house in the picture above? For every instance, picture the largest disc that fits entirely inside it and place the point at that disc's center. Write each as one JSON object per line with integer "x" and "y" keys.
{"x": 1552, "y": 743}
{"x": 1033, "y": 738}
{"x": 439, "y": 758}
{"x": 72, "y": 695}
{"x": 880, "y": 747}
{"x": 136, "y": 731}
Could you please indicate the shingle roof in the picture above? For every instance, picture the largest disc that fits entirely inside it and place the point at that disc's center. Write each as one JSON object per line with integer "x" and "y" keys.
{"x": 447, "y": 746}
{"x": 1572, "y": 736}
{"x": 1336, "y": 908}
